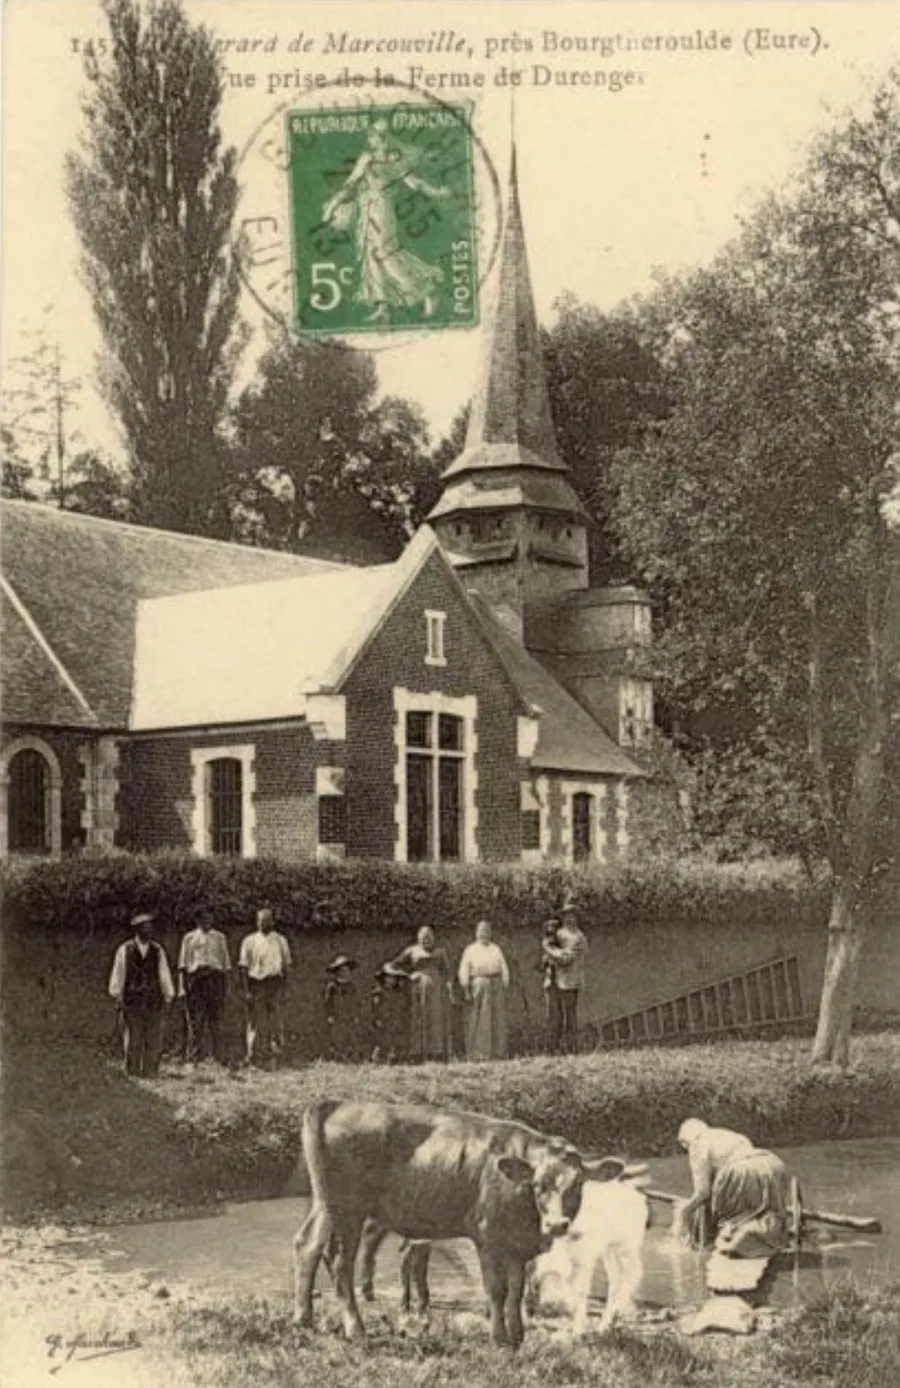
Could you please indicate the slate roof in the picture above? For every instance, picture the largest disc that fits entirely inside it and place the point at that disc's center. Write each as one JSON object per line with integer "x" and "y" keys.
{"x": 35, "y": 690}
{"x": 80, "y": 580}
{"x": 219, "y": 633}
{"x": 568, "y": 739}
{"x": 510, "y": 425}
{"x": 249, "y": 652}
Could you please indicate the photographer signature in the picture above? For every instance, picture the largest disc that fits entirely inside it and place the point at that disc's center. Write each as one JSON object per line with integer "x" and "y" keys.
{"x": 64, "y": 1350}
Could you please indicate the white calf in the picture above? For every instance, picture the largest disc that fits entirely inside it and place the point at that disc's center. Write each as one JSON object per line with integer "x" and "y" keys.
{"x": 608, "y": 1229}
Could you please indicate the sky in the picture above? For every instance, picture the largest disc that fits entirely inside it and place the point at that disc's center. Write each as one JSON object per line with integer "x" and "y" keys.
{"x": 614, "y": 183}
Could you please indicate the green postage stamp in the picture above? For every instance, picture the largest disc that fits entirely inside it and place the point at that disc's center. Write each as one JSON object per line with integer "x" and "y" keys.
{"x": 382, "y": 218}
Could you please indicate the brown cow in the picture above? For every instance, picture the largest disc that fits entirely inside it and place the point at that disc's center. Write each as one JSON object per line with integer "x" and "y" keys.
{"x": 427, "y": 1174}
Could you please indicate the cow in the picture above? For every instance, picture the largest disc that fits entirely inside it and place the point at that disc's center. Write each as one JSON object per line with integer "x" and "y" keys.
{"x": 609, "y": 1229}
{"x": 428, "y": 1174}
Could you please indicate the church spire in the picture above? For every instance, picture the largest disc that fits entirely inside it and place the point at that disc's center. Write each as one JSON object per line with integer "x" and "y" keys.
{"x": 511, "y": 405}
{"x": 510, "y": 426}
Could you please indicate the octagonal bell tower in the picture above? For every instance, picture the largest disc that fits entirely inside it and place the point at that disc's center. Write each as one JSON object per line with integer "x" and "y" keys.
{"x": 508, "y": 517}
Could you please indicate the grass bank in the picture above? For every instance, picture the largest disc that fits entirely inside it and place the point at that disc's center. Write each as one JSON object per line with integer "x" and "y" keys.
{"x": 850, "y": 1336}
{"x": 147, "y": 1148}
{"x": 625, "y": 1101}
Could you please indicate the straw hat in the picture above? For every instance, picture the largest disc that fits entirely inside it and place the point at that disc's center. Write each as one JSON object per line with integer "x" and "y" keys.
{"x": 343, "y": 961}
{"x": 391, "y": 971}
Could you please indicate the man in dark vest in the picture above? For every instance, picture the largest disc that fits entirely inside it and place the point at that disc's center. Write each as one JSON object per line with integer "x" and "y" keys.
{"x": 141, "y": 985}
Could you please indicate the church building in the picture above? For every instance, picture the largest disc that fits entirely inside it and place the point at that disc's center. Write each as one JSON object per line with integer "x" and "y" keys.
{"x": 475, "y": 700}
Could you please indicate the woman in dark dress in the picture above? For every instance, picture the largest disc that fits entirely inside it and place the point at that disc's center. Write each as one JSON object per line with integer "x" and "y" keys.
{"x": 428, "y": 968}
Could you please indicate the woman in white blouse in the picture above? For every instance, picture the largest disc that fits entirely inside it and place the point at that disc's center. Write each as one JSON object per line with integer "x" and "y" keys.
{"x": 484, "y": 979}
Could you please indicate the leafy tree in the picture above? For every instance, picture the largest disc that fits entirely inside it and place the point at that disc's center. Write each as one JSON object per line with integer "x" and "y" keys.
{"x": 751, "y": 799}
{"x": 95, "y": 487}
{"x": 761, "y": 510}
{"x": 35, "y": 407}
{"x": 18, "y": 475}
{"x": 607, "y": 385}
{"x": 427, "y": 488}
{"x": 153, "y": 197}
{"x": 318, "y": 460}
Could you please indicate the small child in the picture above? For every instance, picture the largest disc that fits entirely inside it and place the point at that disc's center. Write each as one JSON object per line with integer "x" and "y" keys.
{"x": 390, "y": 1013}
{"x": 340, "y": 1008}
{"x": 547, "y": 965}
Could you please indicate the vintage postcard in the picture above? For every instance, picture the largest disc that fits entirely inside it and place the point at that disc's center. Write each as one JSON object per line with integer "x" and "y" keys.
{"x": 450, "y": 749}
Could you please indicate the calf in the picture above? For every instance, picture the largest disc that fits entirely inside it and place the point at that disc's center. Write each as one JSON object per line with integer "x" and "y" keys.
{"x": 426, "y": 1174}
{"x": 608, "y": 1229}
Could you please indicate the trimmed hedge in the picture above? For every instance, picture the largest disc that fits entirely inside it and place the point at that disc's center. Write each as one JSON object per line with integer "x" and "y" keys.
{"x": 96, "y": 894}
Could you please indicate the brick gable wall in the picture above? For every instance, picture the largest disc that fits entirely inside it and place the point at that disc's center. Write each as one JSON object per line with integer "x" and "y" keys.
{"x": 396, "y": 657}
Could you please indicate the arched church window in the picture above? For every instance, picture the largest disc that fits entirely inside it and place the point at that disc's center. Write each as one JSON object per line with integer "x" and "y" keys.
{"x": 28, "y": 804}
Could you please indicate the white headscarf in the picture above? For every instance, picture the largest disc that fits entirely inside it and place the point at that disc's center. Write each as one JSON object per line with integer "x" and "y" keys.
{"x": 691, "y": 1130}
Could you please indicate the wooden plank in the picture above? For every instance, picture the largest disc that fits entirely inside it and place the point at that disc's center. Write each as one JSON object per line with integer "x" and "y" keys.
{"x": 859, "y": 1224}
{"x": 739, "y": 989}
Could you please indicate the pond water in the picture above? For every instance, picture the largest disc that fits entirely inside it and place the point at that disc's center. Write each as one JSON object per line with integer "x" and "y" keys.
{"x": 246, "y": 1249}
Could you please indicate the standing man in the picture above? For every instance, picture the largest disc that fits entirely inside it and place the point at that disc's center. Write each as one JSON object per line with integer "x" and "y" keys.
{"x": 568, "y": 956}
{"x": 141, "y": 985}
{"x": 203, "y": 969}
{"x": 263, "y": 964}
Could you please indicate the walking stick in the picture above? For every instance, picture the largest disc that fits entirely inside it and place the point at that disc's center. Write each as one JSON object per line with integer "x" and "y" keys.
{"x": 188, "y": 1028}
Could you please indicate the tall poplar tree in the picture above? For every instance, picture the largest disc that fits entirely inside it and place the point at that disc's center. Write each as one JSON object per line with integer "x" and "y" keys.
{"x": 153, "y": 194}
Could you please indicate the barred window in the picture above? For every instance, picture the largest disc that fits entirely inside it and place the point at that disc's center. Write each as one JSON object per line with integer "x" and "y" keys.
{"x": 531, "y": 829}
{"x": 332, "y": 819}
{"x": 28, "y": 803}
{"x": 225, "y": 806}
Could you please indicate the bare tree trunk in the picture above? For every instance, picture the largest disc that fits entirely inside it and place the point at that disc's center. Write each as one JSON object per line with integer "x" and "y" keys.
{"x": 847, "y": 922}
{"x": 846, "y": 930}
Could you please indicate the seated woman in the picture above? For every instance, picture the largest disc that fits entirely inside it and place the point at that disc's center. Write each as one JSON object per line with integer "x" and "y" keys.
{"x": 741, "y": 1193}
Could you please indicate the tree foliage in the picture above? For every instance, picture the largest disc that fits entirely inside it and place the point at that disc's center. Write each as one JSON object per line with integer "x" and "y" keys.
{"x": 36, "y": 405}
{"x": 95, "y": 487}
{"x": 153, "y": 196}
{"x": 607, "y": 385}
{"x": 319, "y": 460}
{"x": 760, "y": 510}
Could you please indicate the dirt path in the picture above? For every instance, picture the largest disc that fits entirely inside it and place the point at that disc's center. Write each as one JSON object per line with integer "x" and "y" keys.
{"x": 68, "y": 1320}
